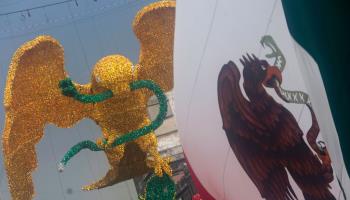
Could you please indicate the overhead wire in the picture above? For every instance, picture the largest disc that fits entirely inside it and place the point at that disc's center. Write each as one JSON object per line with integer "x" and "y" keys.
{"x": 36, "y": 7}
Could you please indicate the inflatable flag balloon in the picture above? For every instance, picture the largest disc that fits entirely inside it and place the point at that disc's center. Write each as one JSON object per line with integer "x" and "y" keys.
{"x": 251, "y": 108}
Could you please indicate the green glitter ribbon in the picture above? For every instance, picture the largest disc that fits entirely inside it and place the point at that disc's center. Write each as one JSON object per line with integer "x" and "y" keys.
{"x": 68, "y": 89}
{"x": 159, "y": 188}
{"x": 163, "y": 108}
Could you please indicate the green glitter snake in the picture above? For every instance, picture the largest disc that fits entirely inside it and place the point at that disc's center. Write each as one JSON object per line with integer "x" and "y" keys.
{"x": 68, "y": 89}
{"x": 157, "y": 187}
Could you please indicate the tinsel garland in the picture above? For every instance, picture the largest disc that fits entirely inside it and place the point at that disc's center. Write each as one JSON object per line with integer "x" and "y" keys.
{"x": 68, "y": 89}
{"x": 158, "y": 188}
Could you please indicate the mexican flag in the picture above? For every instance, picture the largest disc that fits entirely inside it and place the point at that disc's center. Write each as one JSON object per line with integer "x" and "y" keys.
{"x": 260, "y": 98}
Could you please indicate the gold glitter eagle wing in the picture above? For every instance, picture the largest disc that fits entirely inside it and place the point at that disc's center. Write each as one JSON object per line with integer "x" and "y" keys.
{"x": 154, "y": 27}
{"x": 32, "y": 99}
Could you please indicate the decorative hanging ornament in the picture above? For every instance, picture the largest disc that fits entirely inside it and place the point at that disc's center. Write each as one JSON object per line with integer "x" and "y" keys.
{"x": 114, "y": 100}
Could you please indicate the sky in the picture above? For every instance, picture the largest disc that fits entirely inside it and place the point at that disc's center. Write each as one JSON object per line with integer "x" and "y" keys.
{"x": 88, "y": 30}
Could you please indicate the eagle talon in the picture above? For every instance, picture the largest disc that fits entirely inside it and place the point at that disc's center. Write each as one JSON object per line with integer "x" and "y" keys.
{"x": 162, "y": 165}
{"x": 104, "y": 143}
{"x": 101, "y": 142}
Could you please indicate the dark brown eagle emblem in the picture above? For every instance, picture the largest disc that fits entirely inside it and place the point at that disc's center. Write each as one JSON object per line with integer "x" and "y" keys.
{"x": 265, "y": 136}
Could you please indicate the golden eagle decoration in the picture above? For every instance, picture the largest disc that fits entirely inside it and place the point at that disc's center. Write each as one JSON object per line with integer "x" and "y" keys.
{"x": 38, "y": 91}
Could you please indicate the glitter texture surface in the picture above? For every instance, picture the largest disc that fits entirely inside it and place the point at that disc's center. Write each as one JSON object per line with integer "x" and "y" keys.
{"x": 33, "y": 99}
{"x": 154, "y": 26}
